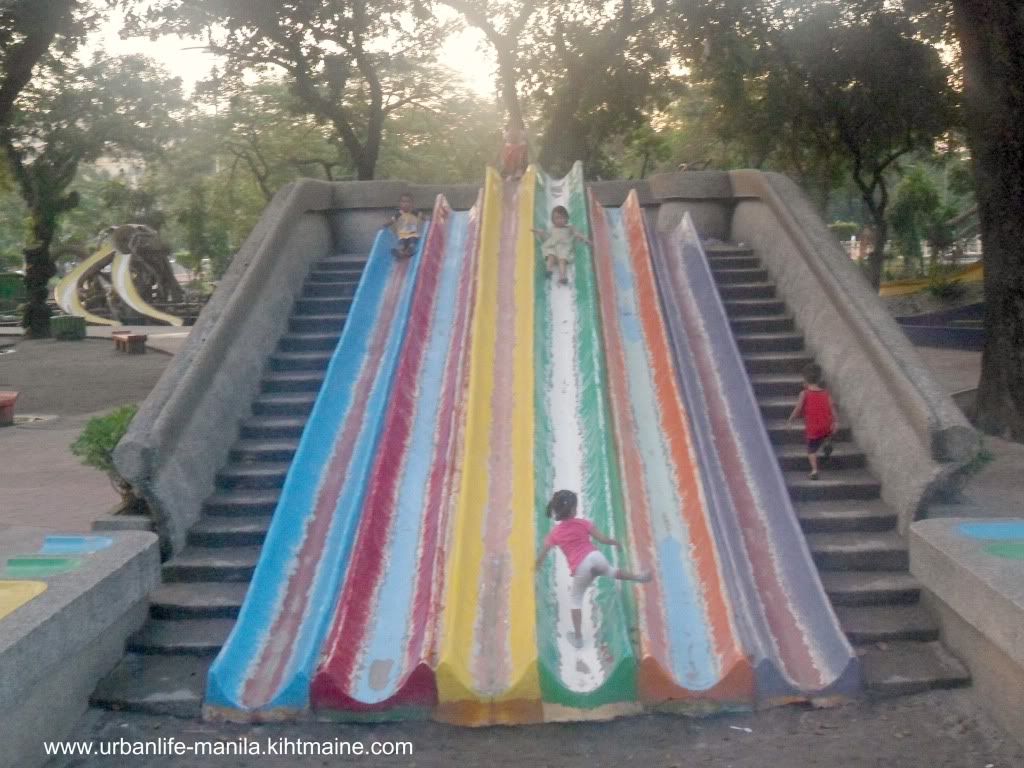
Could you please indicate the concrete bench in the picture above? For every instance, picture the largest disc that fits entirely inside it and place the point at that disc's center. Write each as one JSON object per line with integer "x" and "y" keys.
{"x": 972, "y": 574}
{"x": 130, "y": 343}
{"x": 7, "y": 400}
{"x": 57, "y": 645}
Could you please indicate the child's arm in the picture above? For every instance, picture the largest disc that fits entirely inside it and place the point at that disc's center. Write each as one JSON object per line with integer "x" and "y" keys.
{"x": 541, "y": 234}
{"x": 797, "y": 408}
{"x": 581, "y": 237}
{"x": 542, "y": 554}
{"x": 390, "y": 222}
{"x": 596, "y": 534}
{"x": 835, "y": 416}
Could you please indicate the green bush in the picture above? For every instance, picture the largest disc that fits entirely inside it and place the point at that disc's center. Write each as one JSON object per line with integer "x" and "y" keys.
{"x": 942, "y": 285}
{"x": 95, "y": 447}
{"x": 67, "y": 327}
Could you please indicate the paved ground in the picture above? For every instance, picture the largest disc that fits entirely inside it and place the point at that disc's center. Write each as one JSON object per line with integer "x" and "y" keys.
{"x": 41, "y": 482}
{"x": 944, "y": 729}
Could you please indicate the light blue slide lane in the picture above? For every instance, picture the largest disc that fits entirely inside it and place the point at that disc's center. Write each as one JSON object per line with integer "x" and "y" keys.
{"x": 268, "y": 660}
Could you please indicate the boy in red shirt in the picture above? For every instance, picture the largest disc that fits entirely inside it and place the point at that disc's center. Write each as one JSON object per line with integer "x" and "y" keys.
{"x": 572, "y": 535}
{"x": 819, "y": 417}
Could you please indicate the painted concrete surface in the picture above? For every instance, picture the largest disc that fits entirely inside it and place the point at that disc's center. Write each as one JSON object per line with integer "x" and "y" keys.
{"x": 951, "y": 558}
{"x": 264, "y": 668}
{"x": 786, "y": 620}
{"x": 378, "y": 653}
{"x": 57, "y": 645}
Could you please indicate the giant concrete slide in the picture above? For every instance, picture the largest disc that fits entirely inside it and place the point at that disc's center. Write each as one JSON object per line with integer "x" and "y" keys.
{"x": 397, "y": 577}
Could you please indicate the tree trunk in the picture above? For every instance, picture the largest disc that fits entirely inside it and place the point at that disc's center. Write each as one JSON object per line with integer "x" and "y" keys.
{"x": 509, "y": 84}
{"x": 39, "y": 268}
{"x": 991, "y": 34}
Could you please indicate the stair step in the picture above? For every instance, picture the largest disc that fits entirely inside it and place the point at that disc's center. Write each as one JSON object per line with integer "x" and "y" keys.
{"x": 284, "y": 404}
{"x": 203, "y": 600}
{"x": 293, "y": 381}
{"x": 229, "y": 503}
{"x": 255, "y": 476}
{"x": 766, "y": 324}
{"x": 345, "y": 273}
{"x": 261, "y": 450}
{"x": 309, "y": 342}
{"x": 902, "y": 669}
{"x": 323, "y": 305}
{"x": 776, "y": 362}
{"x": 317, "y": 323}
{"x": 156, "y": 685}
{"x": 335, "y": 289}
{"x": 773, "y": 385}
{"x": 730, "y": 291}
{"x": 753, "y": 307}
{"x": 782, "y": 432}
{"x": 870, "y": 587}
{"x": 833, "y": 485}
{"x": 749, "y": 275}
{"x": 238, "y": 531}
{"x": 189, "y": 637}
{"x": 793, "y": 458}
{"x": 196, "y": 564}
{"x": 865, "y": 625}
{"x": 273, "y": 426}
{"x": 838, "y": 516}
{"x": 859, "y": 551}
{"x": 770, "y": 342}
{"x": 300, "y": 361}
{"x": 347, "y": 260}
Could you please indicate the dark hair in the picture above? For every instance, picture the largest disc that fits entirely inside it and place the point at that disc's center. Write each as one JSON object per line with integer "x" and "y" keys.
{"x": 405, "y": 194}
{"x": 812, "y": 374}
{"x": 559, "y": 209}
{"x": 562, "y": 505}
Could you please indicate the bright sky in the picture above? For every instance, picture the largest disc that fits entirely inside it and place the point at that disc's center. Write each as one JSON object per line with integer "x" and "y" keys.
{"x": 185, "y": 58}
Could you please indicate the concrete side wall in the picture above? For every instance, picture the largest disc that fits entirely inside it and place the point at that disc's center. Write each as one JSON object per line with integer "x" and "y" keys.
{"x": 185, "y": 428}
{"x": 915, "y": 438}
{"x": 997, "y": 680}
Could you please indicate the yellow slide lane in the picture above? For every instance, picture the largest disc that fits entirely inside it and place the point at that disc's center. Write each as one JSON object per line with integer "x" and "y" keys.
{"x": 487, "y": 664}
{"x": 66, "y": 292}
{"x": 121, "y": 274}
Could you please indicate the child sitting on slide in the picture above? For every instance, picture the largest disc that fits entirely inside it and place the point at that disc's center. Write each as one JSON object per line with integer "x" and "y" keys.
{"x": 406, "y": 226}
{"x": 586, "y": 562}
{"x": 557, "y": 248}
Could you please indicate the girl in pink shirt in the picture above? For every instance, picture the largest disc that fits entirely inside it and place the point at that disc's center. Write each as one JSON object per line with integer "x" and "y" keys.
{"x": 572, "y": 535}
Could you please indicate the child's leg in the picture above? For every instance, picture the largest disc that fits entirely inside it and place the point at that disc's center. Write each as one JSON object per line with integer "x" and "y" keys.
{"x": 577, "y": 621}
{"x": 549, "y": 259}
{"x": 563, "y": 270}
{"x": 622, "y": 575}
{"x": 812, "y": 456}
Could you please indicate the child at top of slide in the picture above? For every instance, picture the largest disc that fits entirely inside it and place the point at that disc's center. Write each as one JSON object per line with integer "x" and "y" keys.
{"x": 513, "y": 153}
{"x": 815, "y": 405}
{"x": 586, "y": 562}
{"x": 406, "y": 225}
{"x": 558, "y": 242}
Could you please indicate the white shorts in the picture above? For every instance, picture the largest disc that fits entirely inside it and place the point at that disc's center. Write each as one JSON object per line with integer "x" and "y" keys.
{"x": 593, "y": 565}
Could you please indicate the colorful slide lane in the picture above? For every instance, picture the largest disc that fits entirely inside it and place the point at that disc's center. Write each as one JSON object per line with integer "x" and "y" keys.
{"x": 487, "y": 662}
{"x": 265, "y": 668}
{"x": 378, "y": 655}
{"x": 787, "y": 623}
{"x": 574, "y": 450}
{"x": 689, "y": 650}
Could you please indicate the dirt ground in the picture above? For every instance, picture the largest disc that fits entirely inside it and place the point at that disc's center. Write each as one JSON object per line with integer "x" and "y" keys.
{"x": 942, "y": 729}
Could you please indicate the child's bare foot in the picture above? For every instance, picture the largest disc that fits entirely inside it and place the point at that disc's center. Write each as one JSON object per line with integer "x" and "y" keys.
{"x": 813, "y": 475}
{"x": 826, "y": 451}
{"x": 564, "y": 281}
{"x": 644, "y": 577}
{"x": 574, "y": 639}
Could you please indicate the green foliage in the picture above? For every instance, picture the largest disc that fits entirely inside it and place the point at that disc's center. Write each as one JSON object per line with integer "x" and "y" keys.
{"x": 95, "y": 446}
{"x": 68, "y": 328}
{"x": 941, "y": 283}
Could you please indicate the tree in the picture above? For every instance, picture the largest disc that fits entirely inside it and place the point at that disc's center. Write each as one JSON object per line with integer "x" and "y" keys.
{"x": 76, "y": 114}
{"x": 28, "y": 28}
{"x": 991, "y": 36}
{"x": 351, "y": 64}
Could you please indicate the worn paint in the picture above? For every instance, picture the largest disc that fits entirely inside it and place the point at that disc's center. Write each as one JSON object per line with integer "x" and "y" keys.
{"x": 378, "y": 653}
{"x": 265, "y": 666}
{"x": 574, "y": 450}
{"x": 487, "y": 663}
{"x": 788, "y": 627}
{"x": 14, "y": 594}
{"x": 688, "y": 646}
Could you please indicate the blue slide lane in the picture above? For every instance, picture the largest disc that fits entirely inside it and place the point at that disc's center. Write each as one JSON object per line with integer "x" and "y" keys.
{"x": 267, "y": 662}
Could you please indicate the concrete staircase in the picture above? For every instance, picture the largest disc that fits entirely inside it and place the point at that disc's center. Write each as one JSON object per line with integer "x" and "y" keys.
{"x": 192, "y": 612}
{"x": 851, "y": 532}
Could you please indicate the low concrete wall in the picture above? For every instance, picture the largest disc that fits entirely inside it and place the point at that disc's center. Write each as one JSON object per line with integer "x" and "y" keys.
{"x": 914, "y": 436}
{"x": 55, "y": 648}
{"x": 185, "y": 428}
{"x": 979, "y": 599}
